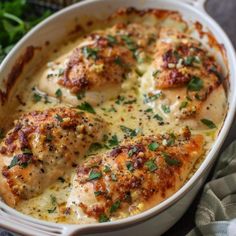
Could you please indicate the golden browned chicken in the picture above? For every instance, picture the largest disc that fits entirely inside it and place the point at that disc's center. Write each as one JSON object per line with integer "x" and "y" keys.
{"x": 181, "y": 62}
{"x": 134, "y": 176}
{"x": 42, "y": 146}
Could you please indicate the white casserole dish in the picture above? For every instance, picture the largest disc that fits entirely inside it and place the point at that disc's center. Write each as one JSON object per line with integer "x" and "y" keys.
{"x": 154, "y": 221}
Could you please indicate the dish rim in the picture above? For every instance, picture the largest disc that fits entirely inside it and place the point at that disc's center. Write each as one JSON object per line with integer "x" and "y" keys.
{"x": 210, "y": 157}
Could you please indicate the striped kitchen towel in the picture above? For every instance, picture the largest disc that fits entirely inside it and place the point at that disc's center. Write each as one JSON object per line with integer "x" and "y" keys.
{"x": 216, "y": 212}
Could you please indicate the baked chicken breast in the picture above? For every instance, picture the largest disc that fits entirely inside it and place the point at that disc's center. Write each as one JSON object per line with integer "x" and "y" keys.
{"x": 135, "y": 175}
{"x": 183, "y": 73}
{"x": 42, "y": 146}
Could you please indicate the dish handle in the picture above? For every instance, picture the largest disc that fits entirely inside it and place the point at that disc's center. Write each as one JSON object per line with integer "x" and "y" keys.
{"x": 200, "y": 4}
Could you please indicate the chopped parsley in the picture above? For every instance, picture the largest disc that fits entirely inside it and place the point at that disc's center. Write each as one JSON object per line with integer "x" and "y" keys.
{"x": 155, "y": 73}
{"x": 115, "y": 206}
{"x": 59, "y": 118}
{"x": 113, "y": 141}
{"x": 119, "y": 100}
{"x": 103, "y": 218}
{"x": 208, "y": 123}
{"x": 118, "y": 60}
{"x": 129, "y": 132}
{"x": 95, "y": 147}
{"x": 86, "y": 107}
{"x": 183, "y": 105}
{"x": 151, "y": 98}
{"x": 130, "y": 101}
{"x": 130, "y": 166}
{"x": 94, "y": 175}
{"x": 171, "y": 140}
{"x": 195, "y": 84}
{"x": 15, "y": 161}
{"x": 90, "y": 52}
{"x": 132, "y": 151}
{"x": 37, "y": 97}
{"x": 129, "y": 42}
{"x": 165, "y": 108}
{"x": 50, "y": 211}
{"x": 27, "y": 151}
{"x": 111, "y": 39}
{"x": 58, "y": 93}
{"x": 148, "y": 110}
{"x": 80, "y": 95}
{"x": 153, "y": 146}
{"x": 170, "y": 161}
{"x": 97, "y": 193}
{"x": 106, "y": 169}
{"x": 151, "y": 165}
{"x": 49, "y": 137}
{"x": 158, "y": 117}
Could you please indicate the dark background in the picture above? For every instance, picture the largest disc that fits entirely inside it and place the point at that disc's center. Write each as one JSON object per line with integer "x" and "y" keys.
{"x": 224, "y": 12}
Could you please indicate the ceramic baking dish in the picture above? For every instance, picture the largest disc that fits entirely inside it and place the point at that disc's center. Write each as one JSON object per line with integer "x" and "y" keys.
{"x": 154, "y": 221}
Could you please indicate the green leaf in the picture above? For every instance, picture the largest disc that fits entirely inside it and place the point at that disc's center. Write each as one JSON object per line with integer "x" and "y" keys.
{"x": 59, "y": 118}
{"x": 37, "y": 97}
{"x": 151, "y": 98}
{"x": 183, "y": 105}
{"x": 153, "y": 146}
{"x": 129, "y": 132}
{"x": 97, "y": 193}
{"x": 94, "y": 175}
{"x": 14, "y": 162}
{"x": 86, "y": 107}
{"x": 80, "y": 95}
{"x": 165, "y": 108}
{"x": 103, "y": 218}
{"x": 90, "y": 52}
{"x": 58, "y": 93}
{"x": 107, "y": 169}
{"x": 111, "y": 39}
{"x": 151, "y": 165}
{"x": 208, "y": 123}
{"x": 115, "y": 206}
{"x": 130, "y": 166}
{"x": 171, "y": 161}
{"x": 113, "y": 141}
{"x": 158, "y": 117}
{"x": 195, "y": 84}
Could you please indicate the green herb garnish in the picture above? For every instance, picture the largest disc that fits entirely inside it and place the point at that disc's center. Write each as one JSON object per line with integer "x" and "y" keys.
{"x": 113, "y": 141}
{"x": 170, "y": 161}
{"x": 37, "y": 97}
{"x": 208, "y": 123}
{"x": 153, "y": 146}
{"x": 86, "y": 107}
{"x": 111, "y": 39}
{"x": 90, "y": 52}
{"x": 115, "y": 206}
{"x": 158, "y": 117}
{"x": 80, "y": 95}
{"x": 183, "y": 105}
{"x": 59, "y": 118}
{"x": 165, "y": 108}
{"x": 130, "y": 132}
{"x": 106, "y": 169}
{"x": 97, "y": 193}
{"x": 151, "y": 165}
{"x": 94, "y": 175}
{"x": 130, "y": 166}
{"x": 103, "y": 218}
{"x": 195, "y": 84}
{"x": 58, "y": 93}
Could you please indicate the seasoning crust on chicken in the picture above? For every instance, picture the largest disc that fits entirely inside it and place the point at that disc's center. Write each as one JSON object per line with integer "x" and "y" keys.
{"x": 42, "y": 146}
{"x": 135, "y": 176}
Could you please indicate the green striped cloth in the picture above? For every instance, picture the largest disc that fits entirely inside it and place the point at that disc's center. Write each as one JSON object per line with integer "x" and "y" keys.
{"x": 216, "y": 212}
